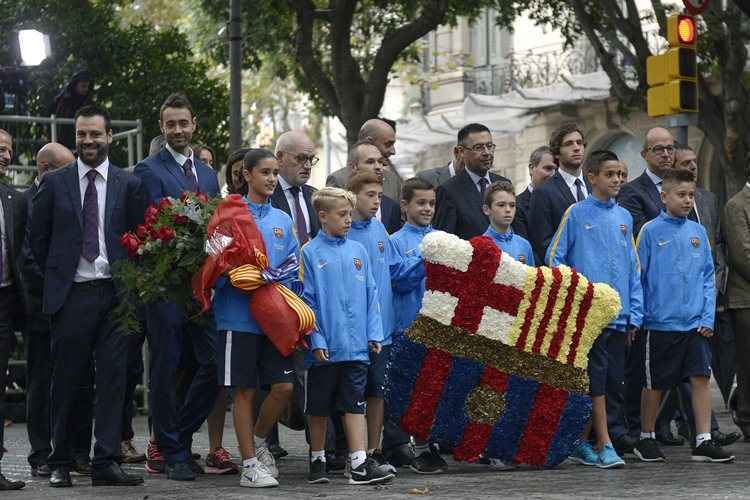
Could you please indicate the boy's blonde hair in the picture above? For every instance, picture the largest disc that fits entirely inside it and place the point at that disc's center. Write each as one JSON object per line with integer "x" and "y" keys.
{"x": 324, "y": 199}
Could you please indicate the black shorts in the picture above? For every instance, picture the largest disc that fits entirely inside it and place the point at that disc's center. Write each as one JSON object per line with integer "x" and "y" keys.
{"x": 606, "y": 361}
{"x": 246, "y": 360}
{"x": 671, "y": 357}
{"x": 336, "y": 388}
{"x": 376, "y": 372}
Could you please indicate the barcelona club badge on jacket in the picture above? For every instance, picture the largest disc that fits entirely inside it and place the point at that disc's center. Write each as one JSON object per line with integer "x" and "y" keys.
{"x": 357, "y": 264}
{"x": 278, "y": 232}
{"x": 695, "y": 242}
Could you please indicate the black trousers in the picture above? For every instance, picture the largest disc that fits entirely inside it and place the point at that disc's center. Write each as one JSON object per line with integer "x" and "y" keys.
{"x": 741, "y": 325}
{"x": 82, "y": 330}
{"x": 38, "y": 380}
{"x": 8, "y": 305}
{"x": 134, "y": 375}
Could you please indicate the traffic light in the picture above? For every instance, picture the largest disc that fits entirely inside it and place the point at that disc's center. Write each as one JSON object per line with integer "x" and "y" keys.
{"x": 673, "y": 76}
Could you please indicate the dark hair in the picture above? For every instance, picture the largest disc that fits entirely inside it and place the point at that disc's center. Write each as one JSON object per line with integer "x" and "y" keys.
{"x": 234, "y": 157}
{"x": 176, "y": 100}
{"x": 412, "y": 185}
{"x": 678, "y": 146}
{"x": 594, "y": 162}
{"x": 555, "y": 140}
{"x": 356, "y": 182}
{"x": 254, "y": 156}
{"x": 675, "y": 176}
{"x": 496, "y": 187}
{"x": 471, "y": 128}
{"x": 201, "y": 147}
{"x": 94, "y": 110}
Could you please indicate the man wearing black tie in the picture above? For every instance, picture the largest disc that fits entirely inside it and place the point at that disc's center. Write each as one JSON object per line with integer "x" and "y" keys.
{"x": 565, "y": 187}
{"x": 78, "y": 217}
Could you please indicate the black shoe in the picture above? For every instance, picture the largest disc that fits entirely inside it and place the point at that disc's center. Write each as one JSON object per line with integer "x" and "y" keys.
{"x": 113, "y": 475}
{"x": 669, "y": 439}
{"x": 180, "y": 471}
{"x": 60, "y": 478}
{"x": 82, "y": 468}
{"x": 383, "y": 464}
{"x": 40, "y": 470}
{"x": 400, "y": 456}
{"x": 368, "y": 473}
{"x": 710, "y": 451}
{"x": 428, "y": 462}
{"x": 335, "y": 462}
{"x": 624, "y": 444}
{"x": 7, "y": 485}
{"x": 725, "y": 439}
{"x": 317, "y": 474}
{"x": 647, "y": 450}
{"x": 195, "y": 466}
{"x": 277, "y": 451}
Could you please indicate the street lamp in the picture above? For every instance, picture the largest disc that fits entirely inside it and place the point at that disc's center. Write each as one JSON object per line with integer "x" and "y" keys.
{"x": 34, "y": 47}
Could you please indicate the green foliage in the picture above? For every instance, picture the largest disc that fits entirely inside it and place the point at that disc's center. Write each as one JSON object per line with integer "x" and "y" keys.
{"x": 135, "y": 65}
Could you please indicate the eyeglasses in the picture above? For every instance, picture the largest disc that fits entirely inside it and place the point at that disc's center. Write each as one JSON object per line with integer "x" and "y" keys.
{"x": 480, "y": 148}
{"x": 303, "y": 158}
{"x": 658, "y": 149}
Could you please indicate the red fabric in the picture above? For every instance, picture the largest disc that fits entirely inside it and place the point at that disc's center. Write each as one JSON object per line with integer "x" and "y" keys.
{"x": 278, "y": 321}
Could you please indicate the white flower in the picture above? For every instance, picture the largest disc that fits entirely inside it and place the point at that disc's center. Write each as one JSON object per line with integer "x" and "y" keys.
{"x": 448, "y": 250}
{"x": 510, "y": 272}
{"x": 439, "y": 306}
{"x": 495, "y": 324}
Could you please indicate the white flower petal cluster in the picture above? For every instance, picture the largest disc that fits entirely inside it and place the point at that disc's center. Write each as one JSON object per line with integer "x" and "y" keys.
{"x": 510, "y": 272}
{"x": 495, "y": 325}
{"x": 448, "y": 250}
{"x": 439, "y": 306}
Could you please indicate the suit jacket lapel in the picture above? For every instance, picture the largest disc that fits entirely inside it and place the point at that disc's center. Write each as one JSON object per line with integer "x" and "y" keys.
{"x": 280, "y": 201}
{"x": 113, "y": 195}
{"x": 7, "y": 202}
{"x": 307, "y": 195}
{"x": 74, "y": 191}
{"x": 652, "y": 190}
{"x": 562, "y": 186}
{"x": 176, "y": 170}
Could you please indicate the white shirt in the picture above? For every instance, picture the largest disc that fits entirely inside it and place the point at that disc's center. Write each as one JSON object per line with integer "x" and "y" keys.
{"x": 570, "y": 180}
{"x": 6, "y": 279}
{"x": 475, "y": 179}
{"x": 530, "y": 187}
{"x": 655, "y": 179}
{"x": 290, "y": 201}
{"x": 451, "y": 169}
{"x": 181, "y": 159}
{"x": 99, "y": 269}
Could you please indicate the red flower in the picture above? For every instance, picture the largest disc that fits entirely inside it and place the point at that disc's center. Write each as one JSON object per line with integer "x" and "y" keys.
{"x": 165, "y": 203}
{"x": 150, "y": 216}
{"x": 179, "y": 219}
{"x": 131, "y": 244}
{"x": 165, "y": 234}
{"x": 202, "y": 197}
{"x": 142, "y": 231}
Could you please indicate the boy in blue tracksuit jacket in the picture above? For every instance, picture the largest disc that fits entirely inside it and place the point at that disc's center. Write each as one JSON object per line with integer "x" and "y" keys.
{"x": 500, "y": 207}
{"x": 341, "y": 290}
{"x": 418, "y": 203}
{"x": 680, "y": 299}
{"x": 596, "y": 238}
{"x": 245, "y": 355}
{"x": 388, "y": 268}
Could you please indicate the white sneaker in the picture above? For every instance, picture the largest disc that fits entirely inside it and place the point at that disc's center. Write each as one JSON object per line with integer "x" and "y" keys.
{"x": 266, "y": 458}
{"x": 257, "y": 477}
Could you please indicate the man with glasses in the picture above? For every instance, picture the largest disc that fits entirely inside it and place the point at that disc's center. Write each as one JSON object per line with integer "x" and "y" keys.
{"x": 460, "y": 199}
{"x": 568, "y": 185}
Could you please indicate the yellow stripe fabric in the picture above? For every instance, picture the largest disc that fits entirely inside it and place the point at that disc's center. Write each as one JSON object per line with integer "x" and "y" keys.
{"x": 556, "y": 240}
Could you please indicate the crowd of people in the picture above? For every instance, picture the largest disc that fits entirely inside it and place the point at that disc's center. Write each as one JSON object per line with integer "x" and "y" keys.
{"x": 655, "y": 239}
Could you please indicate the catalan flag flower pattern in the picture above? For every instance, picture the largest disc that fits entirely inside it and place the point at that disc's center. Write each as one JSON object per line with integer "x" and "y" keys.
{"x": 495, "y": 363}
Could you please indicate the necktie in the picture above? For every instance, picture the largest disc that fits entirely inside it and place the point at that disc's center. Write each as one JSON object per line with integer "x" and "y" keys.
{"x": 483, "y": 187}
{"x": 579, "y": 190}
{"x": 299, "y": 217}
{"x": 90, "y": 249}
{"x": 187, "y": 168}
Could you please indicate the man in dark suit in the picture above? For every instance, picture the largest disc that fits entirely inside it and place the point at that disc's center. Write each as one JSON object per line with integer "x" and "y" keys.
{"x": 568, "y": 185}
{"x": 79, "y": 292}
{"x": 365, "y": 156}
{"x": 542, "y": 166}
{"x": 174, "y": 170}
{"x": 50, "y": 157}
{"x": 459, "y": 200}
{"x": 440, "y": 175}
{"x": 12, "y": 227}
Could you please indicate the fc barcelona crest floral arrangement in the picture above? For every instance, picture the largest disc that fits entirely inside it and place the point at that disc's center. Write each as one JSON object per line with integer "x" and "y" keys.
{"x": 495, "y": 363}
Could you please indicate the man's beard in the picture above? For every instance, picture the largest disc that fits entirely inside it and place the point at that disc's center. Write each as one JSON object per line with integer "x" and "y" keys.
{"x": 101, "y": 153}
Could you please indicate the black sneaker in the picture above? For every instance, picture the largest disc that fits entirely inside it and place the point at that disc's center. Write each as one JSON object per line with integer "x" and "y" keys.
{"x": 317, "y": 474}
{"x": 667, "y": 438}
{"x": 725, "y": 439}
{"x": 710, "y": 451}
{"x": 368, "y": 473}
{"x": 624, "y": 444}
{"x": 335, "y": 462}
{"x": 382, "y": 464}
{"x": 647, "y": 450}
{"x": 195, "y": 466}
{"x": 428, "y": 462}
{"x": 400, "y": 456}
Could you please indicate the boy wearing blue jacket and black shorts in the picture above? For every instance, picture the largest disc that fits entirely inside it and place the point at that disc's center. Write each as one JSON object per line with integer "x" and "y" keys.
{"x": 340, "y": 289}
{"x": 596, "y": 238}
{"x": 679, "y": 303}
{"x": 245, "y": 355}
{"x": 389, "y": 269}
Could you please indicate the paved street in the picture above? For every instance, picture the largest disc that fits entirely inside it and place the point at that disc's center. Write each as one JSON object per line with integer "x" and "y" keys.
{"x": 678, "y": 478}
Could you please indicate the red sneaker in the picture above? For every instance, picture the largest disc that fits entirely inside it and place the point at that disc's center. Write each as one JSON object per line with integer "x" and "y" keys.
{"x": 155, "y": 463}
{"x": 219, "y": 462}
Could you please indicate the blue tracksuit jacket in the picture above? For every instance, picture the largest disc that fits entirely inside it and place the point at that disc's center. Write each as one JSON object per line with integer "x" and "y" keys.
{"x": 230, "y": 304}
{"x": 389, "y": 268}
{"x": 517, "y": 246}
{"x": 596, "y": 238}
{"x": 340, "y": 289}
{"x": 407, "y": 301}
{"x": 679, "y": 292}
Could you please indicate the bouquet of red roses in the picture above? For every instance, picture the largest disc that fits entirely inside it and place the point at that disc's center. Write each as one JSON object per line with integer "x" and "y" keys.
{"x": 166, "y": 251}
